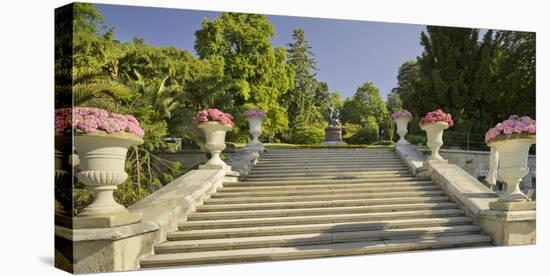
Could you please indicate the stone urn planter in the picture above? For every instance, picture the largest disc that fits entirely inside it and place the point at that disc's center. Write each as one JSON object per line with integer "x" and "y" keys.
{"x": 510, "y": 142}
{"x": 434, "y": 132}
{"x": 255, "y": 129}
{"x": 401, "y": 119}
{"x": 215, "y": 125}
{"x": 255, "y": 119}
{"x": 102, "y": 158}
{"x": 434, "y": 123}
{"x": 512, "y": 159}
{"x": 101, "y": 140}
{"x": 215, "y": 144}
{"x": 63, "y": 183}
{"x": 401, "y": 124}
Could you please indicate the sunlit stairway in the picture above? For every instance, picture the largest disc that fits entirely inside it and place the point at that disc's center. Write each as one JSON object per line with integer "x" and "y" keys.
{"x": 304, "y": 203}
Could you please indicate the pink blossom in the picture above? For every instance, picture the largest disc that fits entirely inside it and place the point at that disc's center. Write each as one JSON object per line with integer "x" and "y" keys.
{"x": 254, "y": 112}
{"x": 88, "y": 119}
{"x": 402, "y": 113}
{"x": 214, "y": 115}
{"x": 436, "y": 116}
{"x": 513, "y": 125}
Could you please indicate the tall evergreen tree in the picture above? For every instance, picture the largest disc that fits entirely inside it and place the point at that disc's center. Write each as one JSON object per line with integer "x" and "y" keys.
{"x": 302, "y": 98}
{"x": 480, "y": 82}
{"x": 447, "y": 71}
{"x": 407, "y": 79}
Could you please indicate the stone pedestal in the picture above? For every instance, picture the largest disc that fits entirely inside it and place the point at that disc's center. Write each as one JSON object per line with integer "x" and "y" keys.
{"x": 333, "y": 137}
{"x": 510, "y": 223}
{"x": 104, "y": 249}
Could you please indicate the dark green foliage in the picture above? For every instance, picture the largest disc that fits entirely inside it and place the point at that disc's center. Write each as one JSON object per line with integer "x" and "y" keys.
{"x": 361, "y": 134}
{"x": 416, "y": 139}
{"x": 306, "y": 93}
{"x": 480, "y": 82}
{"x": 307, "y": 135}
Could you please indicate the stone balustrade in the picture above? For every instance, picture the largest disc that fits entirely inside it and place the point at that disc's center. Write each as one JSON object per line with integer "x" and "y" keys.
{"x": 508, "y": 223}
{"x": 119, "y": 247}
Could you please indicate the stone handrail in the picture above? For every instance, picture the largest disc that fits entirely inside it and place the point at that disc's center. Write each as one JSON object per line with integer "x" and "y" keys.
{"x": 508, "y": 223}
{"x": 120, "y": 248}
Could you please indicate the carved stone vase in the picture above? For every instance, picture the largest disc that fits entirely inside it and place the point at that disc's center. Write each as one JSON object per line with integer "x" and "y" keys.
{"x": 512, "y": 164}
{"x": 434, "y": 132}
{"x": 255, "y": 129}
{"x": 102, "y": 159}
{"x": 401, "y": 124}
{"x": 215, "y": 143}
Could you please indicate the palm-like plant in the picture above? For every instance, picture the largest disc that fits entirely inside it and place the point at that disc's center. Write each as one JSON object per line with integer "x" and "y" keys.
{"x": 88, "y": 87}
{"x": 163, "y": 98}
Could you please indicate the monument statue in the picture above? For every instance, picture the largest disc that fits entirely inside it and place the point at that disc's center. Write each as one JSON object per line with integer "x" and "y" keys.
{"x": 333, "y": 133}
{"x": 334, "y": 117}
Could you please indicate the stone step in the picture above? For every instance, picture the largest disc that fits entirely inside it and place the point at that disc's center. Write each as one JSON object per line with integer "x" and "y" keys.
{"x": 342, "y": 153}
{"x": 335, "y": 181}
{"x": 377, "y": 168}
{"x": 315, "y": 228}
{"x": 321, "y": 176}
{"x": 318, "y": 204}
{"x": 328, "y": 191}
{"x": 315, "y": 219}
{"x": 326, "y": 186}
{"x": 318, "y": 211}
{"x": 334, "y": 166}
{"x": 310, "y": 239}
{"x": 302, "y": 166}
{"x": 311, "y": 251}
{"x": 322, "y": 171}
{"x": 367, "y": 195}
{"x": 330, "y": 150}
{"x": 325, "y": 160}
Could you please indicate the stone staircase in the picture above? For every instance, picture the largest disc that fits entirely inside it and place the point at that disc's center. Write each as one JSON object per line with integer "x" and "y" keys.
{"x": 305, "y": 203}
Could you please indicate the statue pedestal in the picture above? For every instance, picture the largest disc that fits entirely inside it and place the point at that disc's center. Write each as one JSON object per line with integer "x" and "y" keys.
{"x": 333, "y": 137}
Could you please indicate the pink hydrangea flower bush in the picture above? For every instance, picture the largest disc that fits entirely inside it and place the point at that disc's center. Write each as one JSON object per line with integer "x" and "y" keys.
{"x": 88, "y": 119}
{"x": 213, "y": 115}
{"x": 514, "y": 124}
{"x": 254, "y": 112}
{"x": 436, "y": 116}
{"x": 402, "y": 113}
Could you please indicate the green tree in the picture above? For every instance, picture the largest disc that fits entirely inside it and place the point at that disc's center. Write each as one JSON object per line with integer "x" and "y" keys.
{"x": 407, "y": 79}
{"x": 253, "y": 73}
{"x": 336, "y": 100}
{"x": 364, "y": 103}
{"x": 480, "y": 82}
{"x": 447, "y": 71}
{"x": 307, "y": 91}
{"x": 394, "y": 102}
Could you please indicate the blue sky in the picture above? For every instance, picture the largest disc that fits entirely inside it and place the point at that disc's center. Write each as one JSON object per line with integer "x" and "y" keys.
{"x": 347, "y": 52}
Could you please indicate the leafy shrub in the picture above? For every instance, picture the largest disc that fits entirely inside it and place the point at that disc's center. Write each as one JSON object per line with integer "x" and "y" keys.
{"x": 416, "y": 139}
{"x": 366, "y": 134}
{"x": 349, "y": 130}
{"x": 307, "y": 135}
